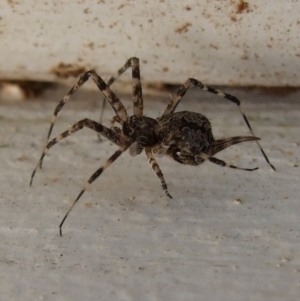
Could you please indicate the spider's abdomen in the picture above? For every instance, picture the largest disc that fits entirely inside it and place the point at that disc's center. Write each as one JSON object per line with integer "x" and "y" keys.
{"x": 189, "y": 131}
{"x": 186, "y": 135}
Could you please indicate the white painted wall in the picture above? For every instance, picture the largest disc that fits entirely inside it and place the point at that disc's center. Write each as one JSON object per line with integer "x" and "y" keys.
{"x": 215, "y": 41}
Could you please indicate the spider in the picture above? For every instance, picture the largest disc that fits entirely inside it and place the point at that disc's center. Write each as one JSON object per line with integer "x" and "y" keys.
{"x": 185, "y": 137}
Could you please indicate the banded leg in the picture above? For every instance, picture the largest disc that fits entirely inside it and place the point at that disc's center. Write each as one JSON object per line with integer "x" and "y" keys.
{"x": 108, "y": 94}
{"x": 136, "y": 88}
{"x": 157, "y": 170}
{"x": 221, "y": 144}
{"x": 94, "y": 176}
{"x": 136, "y": 84}
{"x": 191, "y": 82}
{"x": 190, "y": 159}
{"x": 106, "y": 132}
{"x": 224, "y": 164}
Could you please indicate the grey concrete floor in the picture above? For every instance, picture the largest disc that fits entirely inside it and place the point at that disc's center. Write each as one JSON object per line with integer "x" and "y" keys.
{"x": 225, "y": 235}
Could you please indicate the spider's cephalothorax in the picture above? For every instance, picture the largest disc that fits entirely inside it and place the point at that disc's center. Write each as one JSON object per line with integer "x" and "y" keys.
{"x": 184, "y": 136}
{"x": 141, "y": 129}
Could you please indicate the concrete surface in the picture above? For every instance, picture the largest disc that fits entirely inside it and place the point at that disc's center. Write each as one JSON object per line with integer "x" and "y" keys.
{"x": 226, "y": 235}
{"x": 232, "y": 42}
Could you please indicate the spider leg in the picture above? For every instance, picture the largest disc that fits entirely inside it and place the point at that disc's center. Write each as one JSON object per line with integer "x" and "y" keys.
{"x": 103, "y": 87}
{"x": 157, "y": 170}
{"x": 104, "y": 131}
{"x": 94, "y": 176}
{"x": 188, "y": 158}
{"x": 101, "y": 117}
{"x": 136, "y": 86}
{"x": 224, "y": 164}
{"x": 137, "y": 93}
{"x": 191, "y": 82}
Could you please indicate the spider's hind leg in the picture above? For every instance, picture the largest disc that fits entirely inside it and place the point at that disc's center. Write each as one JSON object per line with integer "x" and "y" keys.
{"x": 189, "y": 159}
{"x": 191, "y": 82}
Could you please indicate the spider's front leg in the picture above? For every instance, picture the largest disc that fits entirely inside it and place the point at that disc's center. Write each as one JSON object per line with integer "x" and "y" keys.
{"x": 108, "y": 94}
{"x": 137, "y": 93}
{"x": 103, "y": 87}
{"x": 111, "y": 135}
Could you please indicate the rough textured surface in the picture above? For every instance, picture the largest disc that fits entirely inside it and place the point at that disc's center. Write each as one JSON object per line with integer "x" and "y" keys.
{"x": 226, "y": 235}
{"x": 224, "y": 42}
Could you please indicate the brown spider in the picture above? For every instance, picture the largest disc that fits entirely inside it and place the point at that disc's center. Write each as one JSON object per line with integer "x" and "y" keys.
{"x": 184, "y": 136}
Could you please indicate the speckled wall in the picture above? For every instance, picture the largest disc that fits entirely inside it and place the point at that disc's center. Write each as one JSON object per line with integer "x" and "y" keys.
{"x": 228, "y": 42}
